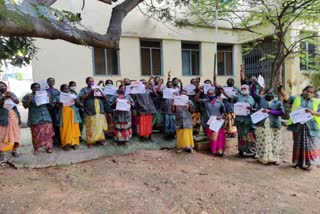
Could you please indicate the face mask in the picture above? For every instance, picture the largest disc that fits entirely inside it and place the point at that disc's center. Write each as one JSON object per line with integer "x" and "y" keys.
{"x": 269, "y": 97}
{"x": 91, "y": 84}
{"x": 109, "y": 84}
{"x": 127, "y": 83}
{"x": 175, "y": 84}
{"x": 73, "y": 88}
{"x": 211, "y": 97}
{"x": 230, "y": 84}
{"x": 156, "y": 82}
{"x": 306, "y": 95}
{"x": 120, "y": 91}
{"x": 245, "y": 92}
{"x": 3, "y": 90}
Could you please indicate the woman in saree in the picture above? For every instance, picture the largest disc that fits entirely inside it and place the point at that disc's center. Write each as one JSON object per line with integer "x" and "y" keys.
{"x": 305, "y": 133}
{"x": 68, "y": 120}
{"x": 9, "y": 121}
{"x": 39, "y": 120}
{"x": 95, "y": 121}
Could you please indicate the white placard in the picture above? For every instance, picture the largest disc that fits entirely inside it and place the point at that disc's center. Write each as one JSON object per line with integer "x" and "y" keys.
{"x": 128, "y": 89}
{"x": 241, "y": 109}
{"x": 9, "y": 104}
{"x": 207, "y": 87}
{"x": 43, "y": 85}
{"x": 258, "y": 116}
{"x": 41, "y": 98}
{"x": 300, "y": 116}
{"x": 216, "y": 124}
{"x": 122, "y": 105}
{"x": 138, "y": 88}
{"x": 109, "y": 90}
{"x": 261, "y": 81}
{"x": 229, "y": 91}
{"x": 168, "y": 93}
{"x": 97, "y": 91}
{"x": 67, "y": 99}
{"x": 181, "y": 100}
{"x": 190, "y": 89}
{"x": 210, "y": 120}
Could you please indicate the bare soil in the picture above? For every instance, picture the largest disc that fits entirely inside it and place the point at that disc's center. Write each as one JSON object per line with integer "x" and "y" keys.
{"x": 163, "y": 182}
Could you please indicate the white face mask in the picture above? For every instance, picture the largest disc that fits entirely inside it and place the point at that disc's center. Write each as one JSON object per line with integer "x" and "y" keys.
{"x": 73, "y": 88}
{"x": 245, "y": 92}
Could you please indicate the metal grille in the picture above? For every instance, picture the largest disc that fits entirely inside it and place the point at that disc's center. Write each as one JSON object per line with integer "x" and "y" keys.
{"x": 259, "y": 61}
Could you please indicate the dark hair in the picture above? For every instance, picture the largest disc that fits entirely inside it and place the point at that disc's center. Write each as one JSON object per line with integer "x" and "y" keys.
{"x": 175, "y": 78}
{"x": 63, "y": 86}
{"x": 192, "y": 80}
{"x": 33, "y": 85}
{"x": 109, "y": 81}
{"x": 206, "y": 80}
{"x": 217, "y": 91}
{"x": 50, "y": 78}
{"x": 4, "y": 83}
{"x": 183, "y": 90}
{"x": 307, "y": 87}
{"x": 87, "y": 79}
{"x": 122, "y": 85}
{"x": 71, "y": 83}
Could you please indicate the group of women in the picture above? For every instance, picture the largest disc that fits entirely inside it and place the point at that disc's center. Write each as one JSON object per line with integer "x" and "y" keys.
{"x": 151, "y": 110}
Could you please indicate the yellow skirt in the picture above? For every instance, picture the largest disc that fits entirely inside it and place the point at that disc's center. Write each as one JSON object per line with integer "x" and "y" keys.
{"x": 10, "y": 134}
{"x": 96, "y": 125}
{"x": 70, "y": 131}
{"x": 184, "y": 138}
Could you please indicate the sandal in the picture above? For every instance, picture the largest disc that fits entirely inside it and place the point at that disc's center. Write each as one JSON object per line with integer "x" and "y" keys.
{"x": 49, "y": 150}
{"x": 35, "y": 152}
{"x": 15, "y": 153}
{"x": 75, "y": 147}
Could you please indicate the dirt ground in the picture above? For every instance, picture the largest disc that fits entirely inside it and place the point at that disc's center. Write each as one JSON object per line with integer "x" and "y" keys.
{"x": 163, "y": 182}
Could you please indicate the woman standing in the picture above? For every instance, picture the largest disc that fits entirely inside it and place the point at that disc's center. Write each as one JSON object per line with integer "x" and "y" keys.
{"x": 183, "y": 123}
{"x": 95, "y": 121}
{"x": 213, "y": 107}
{"x": 245, "y": 127}
{"x": 268, "y": 130}
{"x": 9, "y": 122}
{"x": 68, "y": 121}
{"x": 122, "y": 119}
{"x": 305, "y": 135}
{"x": 39, "y": 120}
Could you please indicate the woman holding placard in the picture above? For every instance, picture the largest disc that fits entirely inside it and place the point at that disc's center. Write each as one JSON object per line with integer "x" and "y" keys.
{"x": 122, "y": 117}
{"x": 39, "y": 118}
{"x": 306, "y": 132}
{"x": 9, "y": 121}
{"x": 213, "y": 107}
{"x": 183, "y": 122}
{"x": 68, "y": 118}
{"x": 268, "y": 129}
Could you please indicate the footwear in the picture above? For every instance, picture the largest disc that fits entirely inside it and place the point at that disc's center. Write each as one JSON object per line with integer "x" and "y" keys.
{"x": 276, "y": 163}
{"x": 179, "y": 151}
{"x": 306, "y": 168}
{"x": 90, "y": 146}
{"x": 75, "y": 147}
{"x": 35, "y": 152}
{"x": 150, "y": 139}
{"x": 192, "y": 151}
{"x": 49, "y": 150}
{"x": 222, "y": 155}
{"x": 66, "y": 148}
{"x": 14, "y": 153}
{"x": 101, "y": 142}
{"x": 126, "y": 143}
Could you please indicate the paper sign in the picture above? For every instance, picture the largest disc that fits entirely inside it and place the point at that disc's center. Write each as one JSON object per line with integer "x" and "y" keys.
{"x": 215, "y": 124}
{"x": 128, "y": 89}
{"x": 109, "y": 90}
{"x": 168, "y": 93}
{"x": 67, "y": 99}
{"x": 122, "y": 105}
{"x": 241, "y": 109}
{"x": 9, "y": 104}
{"x": 261, "y": 81}
{"x": 43, "y": 85}
{"x": 41, "y": 98}
{"x": 300, "y": 116}
{"x": 138, "y": 88}
{"x": 190, "y": 89}
{"x": 258, "y": 116}
{"x": 210, "y": 120}
{"x": 229, "y": 91}
{"x": 181, "y": 100}
{"x": 207, "y": 87}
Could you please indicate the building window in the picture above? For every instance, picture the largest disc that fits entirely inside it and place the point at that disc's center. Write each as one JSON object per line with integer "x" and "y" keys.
{"x": 225, "y": 65}
{"x": 106, "y": 61}
{"x": 151, "y": 59}
{"x": 190, "y": 58}
{"x": 308, "y": 55}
